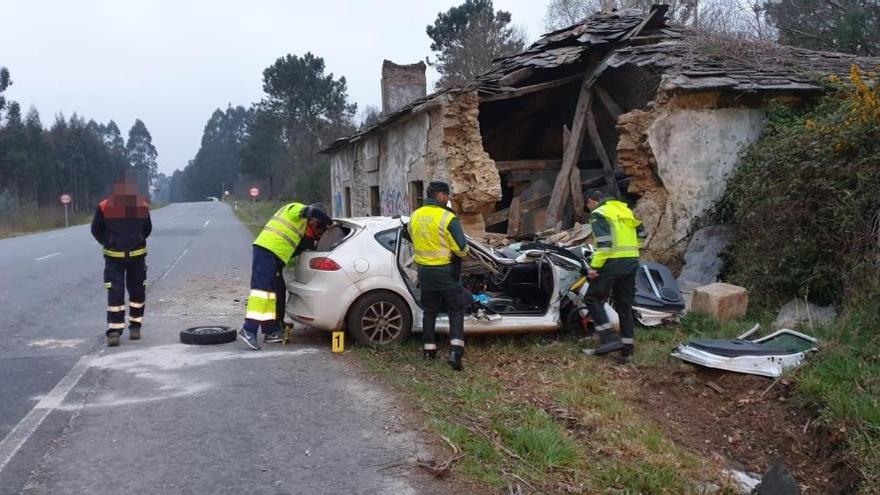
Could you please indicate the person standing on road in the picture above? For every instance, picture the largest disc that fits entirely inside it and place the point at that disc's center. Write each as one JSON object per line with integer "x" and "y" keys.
{"x": 121, "y": 225}
{"x": 439, "y": 243}
{"x": 618, "y": 235}
{"x": 294, "y": 228}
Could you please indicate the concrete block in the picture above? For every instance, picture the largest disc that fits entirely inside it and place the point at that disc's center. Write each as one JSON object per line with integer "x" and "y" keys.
{"x": 723, "y": 301}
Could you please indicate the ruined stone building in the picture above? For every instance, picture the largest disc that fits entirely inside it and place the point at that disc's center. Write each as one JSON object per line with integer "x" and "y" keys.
{"x": 655, "y": 112}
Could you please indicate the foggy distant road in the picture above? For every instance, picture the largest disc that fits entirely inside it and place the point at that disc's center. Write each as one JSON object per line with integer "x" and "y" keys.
{"x": 157, "y": 416}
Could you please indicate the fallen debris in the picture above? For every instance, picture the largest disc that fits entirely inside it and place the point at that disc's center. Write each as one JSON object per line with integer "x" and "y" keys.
{"x": 743, "y": 483}
{"x": 714, "y": 386}
{"x": 722, "y": 301}
{"x": 441, "y": 469}
{"x": 575, "y": 236}
{"x": 778, "y": 481}
{"x": 801, "y": 312}
{"x": 767, "y": 356}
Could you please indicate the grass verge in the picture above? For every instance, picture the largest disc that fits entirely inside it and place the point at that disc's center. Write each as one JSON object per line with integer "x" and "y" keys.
{"x": 843, "y": 384}
{"x": 255, "y": 214}
{"x": 534, "y": 412}
{"x": 29, "y": 221}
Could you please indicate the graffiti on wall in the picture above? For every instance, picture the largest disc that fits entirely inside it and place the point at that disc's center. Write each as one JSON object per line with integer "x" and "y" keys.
{"x": 394, "y": 202}
{"x": 338, "y": 206}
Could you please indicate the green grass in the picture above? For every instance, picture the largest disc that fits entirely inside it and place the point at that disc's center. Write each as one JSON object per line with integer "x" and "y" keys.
{"x": 29, "y": 221}
{"x": 532, "y": 410}
{"x": 255, "y": 214}
{"x": 843, "y": 382}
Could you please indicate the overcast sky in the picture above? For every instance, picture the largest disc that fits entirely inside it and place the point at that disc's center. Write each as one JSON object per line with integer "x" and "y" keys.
{"x": 172, "y": 62}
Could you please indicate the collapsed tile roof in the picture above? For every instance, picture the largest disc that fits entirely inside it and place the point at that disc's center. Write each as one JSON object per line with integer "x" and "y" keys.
{"x": 687, "y": 59}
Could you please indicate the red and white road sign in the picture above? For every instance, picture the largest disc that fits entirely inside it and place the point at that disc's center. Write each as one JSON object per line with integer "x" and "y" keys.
{"x": 65, "y": 199}
{"x": 254, "y": 192}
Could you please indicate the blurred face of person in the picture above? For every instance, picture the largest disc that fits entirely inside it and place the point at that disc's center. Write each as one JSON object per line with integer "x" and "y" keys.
{"x": 126, "y": 192}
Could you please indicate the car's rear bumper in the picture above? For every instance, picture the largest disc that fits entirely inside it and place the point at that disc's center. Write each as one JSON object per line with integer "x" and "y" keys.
{"x": 322, "y": 307}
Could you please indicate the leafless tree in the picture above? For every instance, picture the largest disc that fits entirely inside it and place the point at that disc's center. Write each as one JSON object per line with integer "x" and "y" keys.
{"x": 739, "y": 17}
{"x": 370, "y": 115}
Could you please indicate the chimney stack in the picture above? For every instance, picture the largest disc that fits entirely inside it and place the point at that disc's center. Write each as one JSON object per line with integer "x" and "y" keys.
{"x": 401, "y": 85}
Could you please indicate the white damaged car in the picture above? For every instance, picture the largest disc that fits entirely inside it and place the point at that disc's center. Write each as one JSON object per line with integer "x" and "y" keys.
{"x": 361, "y": 278}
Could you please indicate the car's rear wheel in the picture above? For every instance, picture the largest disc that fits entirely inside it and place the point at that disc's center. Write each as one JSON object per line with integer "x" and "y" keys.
{"x": 572, "y": 324}
{"x": 379, "y": 319}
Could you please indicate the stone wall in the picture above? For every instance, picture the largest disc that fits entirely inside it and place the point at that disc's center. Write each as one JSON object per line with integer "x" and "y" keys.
{"x": 441, "y": 142}
{"x": 474, "y": 178}
{"x": 679, "y": 154}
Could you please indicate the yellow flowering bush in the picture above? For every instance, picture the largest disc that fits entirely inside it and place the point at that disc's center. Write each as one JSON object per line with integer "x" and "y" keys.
{"x": 805, "y": 202}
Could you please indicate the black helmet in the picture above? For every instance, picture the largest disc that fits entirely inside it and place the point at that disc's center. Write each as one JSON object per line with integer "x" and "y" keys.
{"x": 319, "y": 213}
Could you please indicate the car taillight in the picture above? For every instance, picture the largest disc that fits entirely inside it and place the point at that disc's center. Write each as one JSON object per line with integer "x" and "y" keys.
{"x": 324, "y": 264}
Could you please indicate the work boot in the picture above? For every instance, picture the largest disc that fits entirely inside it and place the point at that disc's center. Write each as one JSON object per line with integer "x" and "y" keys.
{"x": 249, "y": 339}
{"x": 455, "y": 360}
{"x": 272, "y": 338}
{"x": 112, "y": 339}
{"x": 134, "y": 333}
{"x": 608, "y": 342}
{"x": 429, "y": 355}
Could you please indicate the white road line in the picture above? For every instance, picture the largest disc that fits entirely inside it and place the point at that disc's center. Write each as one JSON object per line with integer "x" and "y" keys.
{"x": 41, "y": 258}
{"x": 173, "y": 264}
{"x": 206, "y": 223}
{"x": 27, "y": 426}
{"x": 54, "y": 235}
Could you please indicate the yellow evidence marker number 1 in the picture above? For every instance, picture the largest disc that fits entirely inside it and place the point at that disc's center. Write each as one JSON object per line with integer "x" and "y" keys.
{"x": 338, "y": 344}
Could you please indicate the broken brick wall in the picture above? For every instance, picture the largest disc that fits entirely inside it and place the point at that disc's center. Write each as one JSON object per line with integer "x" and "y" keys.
{"x": 679, "y": 153}
{"x": 441, "y": 141}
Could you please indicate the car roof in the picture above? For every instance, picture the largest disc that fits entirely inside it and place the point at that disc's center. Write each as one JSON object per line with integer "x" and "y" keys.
{"x": 374, "y": 223}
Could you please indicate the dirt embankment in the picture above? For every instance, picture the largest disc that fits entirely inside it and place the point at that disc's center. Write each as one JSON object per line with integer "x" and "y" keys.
{"x": 748, "y": 421}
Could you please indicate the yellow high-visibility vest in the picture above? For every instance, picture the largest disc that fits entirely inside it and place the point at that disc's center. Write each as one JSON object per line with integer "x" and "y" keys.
{"x": 432, "y": 242}
{"x": 624, "y": 239}
{"x": 283, "y": 232}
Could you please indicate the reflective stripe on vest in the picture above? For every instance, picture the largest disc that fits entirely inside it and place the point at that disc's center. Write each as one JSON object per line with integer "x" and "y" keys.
{"x": 623, "y": 239}
{"x": 283, "y": 232}
{"x": 123, "y": 254}
{"x": 433, "y": 244}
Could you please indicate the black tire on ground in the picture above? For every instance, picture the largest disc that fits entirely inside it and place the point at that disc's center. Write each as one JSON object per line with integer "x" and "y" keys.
{"x": 207, "y": 335}
{"x": 379, "y": 319}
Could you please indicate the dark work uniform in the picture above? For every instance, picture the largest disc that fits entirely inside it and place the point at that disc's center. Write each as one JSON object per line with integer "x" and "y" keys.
{"x": 618, "y": 235}
{"x": 442, "y": 291}
{"x": 122, "y": 225}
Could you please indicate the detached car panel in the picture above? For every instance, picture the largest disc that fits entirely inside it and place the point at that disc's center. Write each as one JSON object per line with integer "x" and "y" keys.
{"x": 768, "y": 356}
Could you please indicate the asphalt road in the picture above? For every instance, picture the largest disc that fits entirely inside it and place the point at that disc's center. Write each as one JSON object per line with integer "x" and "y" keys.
{"x": 157, "y": 416}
